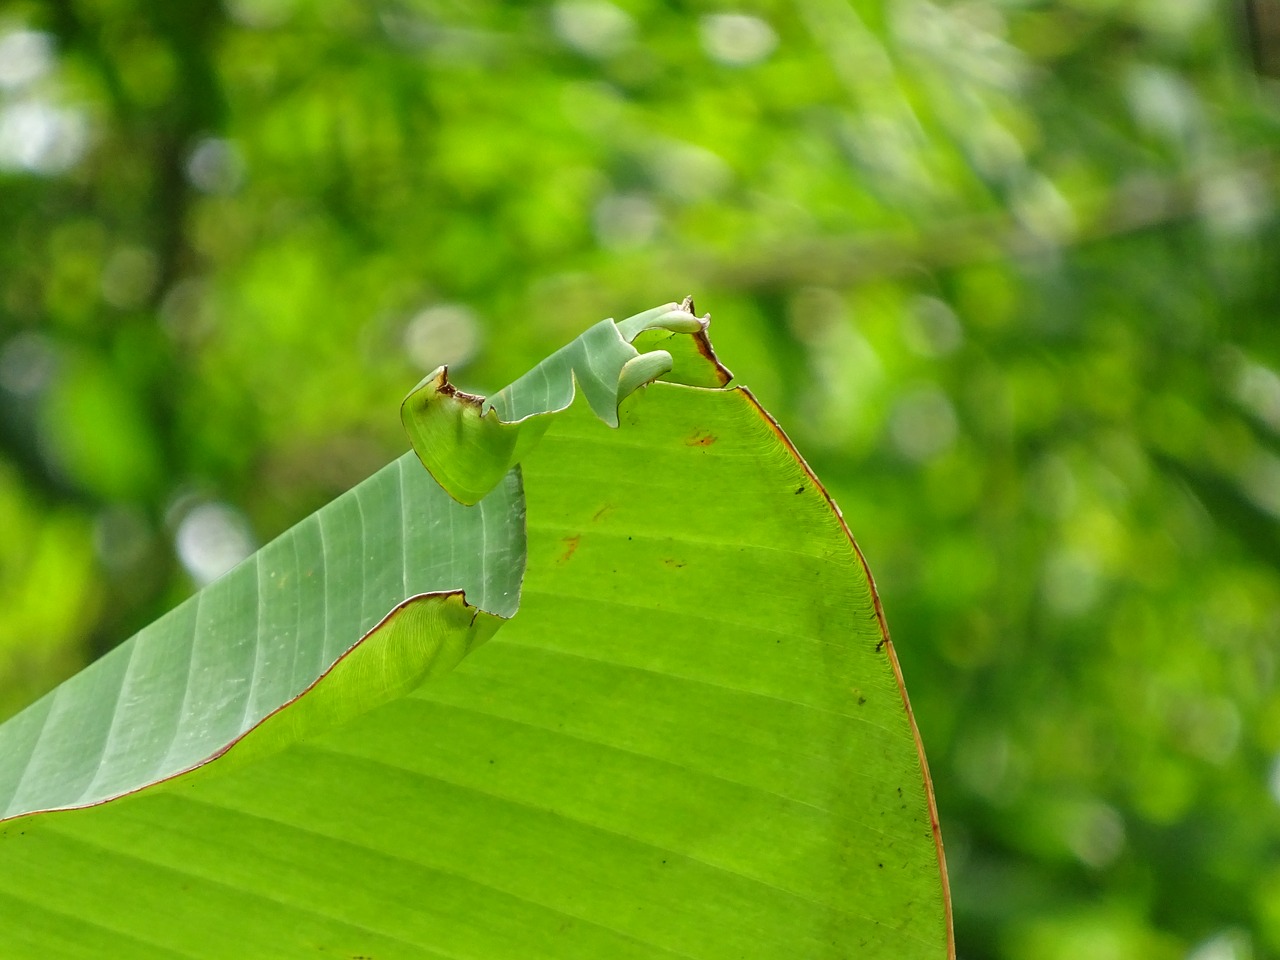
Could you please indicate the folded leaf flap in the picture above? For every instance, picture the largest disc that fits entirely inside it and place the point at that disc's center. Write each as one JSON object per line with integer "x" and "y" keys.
{"x": 426, "y": 636}
{"x": 186, "y": 687}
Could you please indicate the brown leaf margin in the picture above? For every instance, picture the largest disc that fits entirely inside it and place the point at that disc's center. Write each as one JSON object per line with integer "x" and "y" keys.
{"x": 886, "y": 645}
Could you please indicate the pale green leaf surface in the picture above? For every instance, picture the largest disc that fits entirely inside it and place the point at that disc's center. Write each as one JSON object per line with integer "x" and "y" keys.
{"x": 203, "y": 675}
{"x": 691, "y": 742}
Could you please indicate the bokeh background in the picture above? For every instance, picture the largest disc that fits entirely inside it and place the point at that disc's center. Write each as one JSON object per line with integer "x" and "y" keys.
{"x": 1008, "y": 271}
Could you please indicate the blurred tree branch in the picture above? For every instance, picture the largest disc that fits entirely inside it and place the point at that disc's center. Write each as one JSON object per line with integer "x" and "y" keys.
{"x": 1262, "y": 21}
{"x": 1140, "y": 203}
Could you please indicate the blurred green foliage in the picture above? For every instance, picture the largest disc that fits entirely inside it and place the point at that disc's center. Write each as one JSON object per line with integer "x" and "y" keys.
{"x": 1007, "y": 270}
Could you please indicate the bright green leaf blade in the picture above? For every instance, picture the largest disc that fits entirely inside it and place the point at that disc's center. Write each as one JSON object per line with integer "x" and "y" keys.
{"x": 726, "y": 732}
{"x": 201, "y": 677}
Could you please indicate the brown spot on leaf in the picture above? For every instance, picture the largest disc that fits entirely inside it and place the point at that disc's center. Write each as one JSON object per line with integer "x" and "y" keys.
{"x": 701, "y": 439}
{"x": 447, "y": 389}
{"x": 673, "y": 562}
{"x": 601, "y": 512}
{"x": 571, "y": 544}
{"x": 704, "y": 347}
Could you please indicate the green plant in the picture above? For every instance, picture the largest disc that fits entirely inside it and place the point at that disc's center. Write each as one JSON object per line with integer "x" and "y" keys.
{"x": 691, "y": 740}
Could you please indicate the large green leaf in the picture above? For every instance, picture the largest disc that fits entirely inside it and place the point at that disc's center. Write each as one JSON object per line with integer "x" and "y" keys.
{"x": 691, "y": 741}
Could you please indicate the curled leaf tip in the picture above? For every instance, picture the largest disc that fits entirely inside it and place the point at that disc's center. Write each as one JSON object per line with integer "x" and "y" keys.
{"x": 468, "y": 443}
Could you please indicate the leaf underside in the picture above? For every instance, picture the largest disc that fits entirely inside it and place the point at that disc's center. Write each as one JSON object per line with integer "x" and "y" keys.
{"x": 691, "y": 742}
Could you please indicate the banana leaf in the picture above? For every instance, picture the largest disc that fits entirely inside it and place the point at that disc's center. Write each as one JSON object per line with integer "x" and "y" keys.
{"x": 546, "y": 687}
